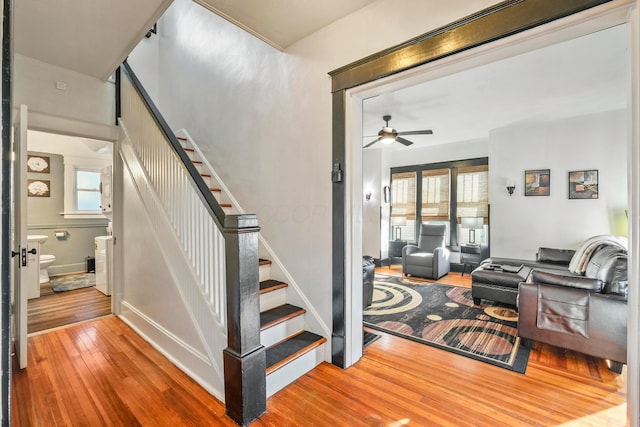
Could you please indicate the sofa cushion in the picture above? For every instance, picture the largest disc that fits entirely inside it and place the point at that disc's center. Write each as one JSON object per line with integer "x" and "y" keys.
{"x": 555, "y": 256}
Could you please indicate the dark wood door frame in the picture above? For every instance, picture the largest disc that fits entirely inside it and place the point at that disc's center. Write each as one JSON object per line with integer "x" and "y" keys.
{"x": 501, "y": 20}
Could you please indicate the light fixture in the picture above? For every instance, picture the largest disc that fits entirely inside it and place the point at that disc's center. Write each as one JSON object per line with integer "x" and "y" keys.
{"x": 367, "y": 195}
{"x": 472, "y": 223}
{"x": 398, "y": 222}
{"x": 387, "y": 135}
{"x": 510, "y": 187}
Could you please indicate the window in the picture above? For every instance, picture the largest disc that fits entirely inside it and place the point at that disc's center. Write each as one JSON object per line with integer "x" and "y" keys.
{"x": 403, "y": 205}
{"x": 435, "y": 198}
{"x": 87, "y": 190}
{"x": 472, "y": 211}
{"x": 447, "y": 192}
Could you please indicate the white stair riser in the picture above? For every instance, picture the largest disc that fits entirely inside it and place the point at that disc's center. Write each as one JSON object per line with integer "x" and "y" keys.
{"x": 293, "y": 370}
{"x": 281, "y": 331}
{"x": 273, "y": 299}
{"x": 265, "y": 272}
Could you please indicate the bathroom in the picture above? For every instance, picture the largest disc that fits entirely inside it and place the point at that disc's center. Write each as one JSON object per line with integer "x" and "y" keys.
{"x": 63, "y": 179}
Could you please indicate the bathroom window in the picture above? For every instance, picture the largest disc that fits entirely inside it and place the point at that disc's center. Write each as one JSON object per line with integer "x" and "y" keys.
{"x": 87, "y": 190}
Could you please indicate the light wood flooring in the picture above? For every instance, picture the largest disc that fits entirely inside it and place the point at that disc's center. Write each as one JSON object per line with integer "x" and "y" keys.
{"x": 102, "y": 373}
{"x": 53, "y": 309}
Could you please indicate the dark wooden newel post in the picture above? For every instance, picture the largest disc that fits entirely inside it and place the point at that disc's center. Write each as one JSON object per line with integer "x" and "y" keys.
{"x": 244, "y": 357}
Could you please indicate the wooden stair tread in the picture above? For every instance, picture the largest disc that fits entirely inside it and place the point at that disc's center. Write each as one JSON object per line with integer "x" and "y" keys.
{"x": 226, "y": 205}
{"x": 191, "y": 150}
{"x": 196, "y": 162}
{"x": 263, "y": 261}
{"x": 279, "y": 314}
{"x": 181, "y": 138}
{"x": 271, "y": 285}
{"x": 205, "y": 175}
{"x": 215, "y": 189}
{"x": 290, "y": 349}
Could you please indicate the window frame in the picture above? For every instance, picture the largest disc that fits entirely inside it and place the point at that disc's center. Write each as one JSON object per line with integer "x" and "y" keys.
{"x": 453, "y": 167}
{"x": 76, "y": 189}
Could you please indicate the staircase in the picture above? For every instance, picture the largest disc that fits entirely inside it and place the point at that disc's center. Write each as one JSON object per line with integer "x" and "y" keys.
{"x": 291, "y": 350}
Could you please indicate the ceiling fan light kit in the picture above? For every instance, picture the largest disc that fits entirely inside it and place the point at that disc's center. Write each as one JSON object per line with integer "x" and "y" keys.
{"x": 387, "y": 134}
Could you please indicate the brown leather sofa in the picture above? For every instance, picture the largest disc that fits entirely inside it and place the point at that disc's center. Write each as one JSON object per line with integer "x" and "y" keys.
{"x": 582, "y": 312}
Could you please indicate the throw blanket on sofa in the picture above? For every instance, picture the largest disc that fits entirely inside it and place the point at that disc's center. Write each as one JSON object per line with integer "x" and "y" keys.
{"x": 580, "y": 259}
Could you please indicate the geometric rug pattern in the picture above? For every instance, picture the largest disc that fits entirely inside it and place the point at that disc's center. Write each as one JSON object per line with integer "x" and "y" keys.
{"x": 444, "y": 316}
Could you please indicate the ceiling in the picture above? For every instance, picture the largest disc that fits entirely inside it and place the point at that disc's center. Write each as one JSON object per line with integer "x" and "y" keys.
{"x": 89, "y": 37}
{"x": 582, "y": 76}
{"x": 281, "y": 23}
{"x": 93, "y": 38}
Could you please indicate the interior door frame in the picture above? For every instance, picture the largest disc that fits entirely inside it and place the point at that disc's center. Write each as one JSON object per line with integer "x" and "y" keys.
{"x": 5, "y": 215}
{"x": 497, "y": 29}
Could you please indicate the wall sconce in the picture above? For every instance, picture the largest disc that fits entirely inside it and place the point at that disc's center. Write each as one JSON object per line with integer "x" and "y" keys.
{"x": 510, "y": 187}
{"x": 367, "y": 195}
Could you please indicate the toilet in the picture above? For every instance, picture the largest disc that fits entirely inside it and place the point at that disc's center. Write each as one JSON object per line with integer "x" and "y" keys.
{"x": 45, "y": 261}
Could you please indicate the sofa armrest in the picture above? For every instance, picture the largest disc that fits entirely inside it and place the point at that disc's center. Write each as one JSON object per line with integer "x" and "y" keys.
{"x": 567, "y": 281}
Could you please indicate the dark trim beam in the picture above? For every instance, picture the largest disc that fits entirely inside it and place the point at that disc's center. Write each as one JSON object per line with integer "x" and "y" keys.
{"x": 499, "y": 21}
{"x": 494, "y": 23}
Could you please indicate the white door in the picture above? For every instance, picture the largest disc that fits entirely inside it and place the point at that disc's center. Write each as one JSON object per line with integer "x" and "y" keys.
{"x": 20, "y": 260}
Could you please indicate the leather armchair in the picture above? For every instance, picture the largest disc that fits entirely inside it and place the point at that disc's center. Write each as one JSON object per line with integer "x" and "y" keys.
{"x": 586, "y": 313}
{"x": 430, "y": 258}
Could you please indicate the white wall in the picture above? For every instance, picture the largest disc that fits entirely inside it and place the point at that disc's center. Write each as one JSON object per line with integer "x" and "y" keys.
{"x": 372, "y": 209}
{"x": 86, "y": 99}
{"x": 519, "y": 224}
{"x": 263, "y": 117}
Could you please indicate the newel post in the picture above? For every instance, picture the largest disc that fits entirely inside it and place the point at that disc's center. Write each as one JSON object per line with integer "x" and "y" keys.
{"x": 244, "y": 358}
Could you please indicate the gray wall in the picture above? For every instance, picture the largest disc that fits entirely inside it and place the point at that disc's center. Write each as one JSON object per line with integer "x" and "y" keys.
{"x": 43, "y": 217}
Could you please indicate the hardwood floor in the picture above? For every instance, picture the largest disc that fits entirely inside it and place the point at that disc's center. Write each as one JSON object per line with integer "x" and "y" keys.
{"x": 53, "y": 310}
{"x": 102, "y": 373}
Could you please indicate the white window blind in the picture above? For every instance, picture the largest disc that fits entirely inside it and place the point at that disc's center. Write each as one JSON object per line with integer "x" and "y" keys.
{"x": 435, "y": 195}
{"x": 403, "y": 195}
{"x": 473, "y": 192}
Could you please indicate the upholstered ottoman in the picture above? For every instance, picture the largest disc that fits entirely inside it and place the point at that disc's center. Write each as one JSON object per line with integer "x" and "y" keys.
{"x": 498, "y": 282}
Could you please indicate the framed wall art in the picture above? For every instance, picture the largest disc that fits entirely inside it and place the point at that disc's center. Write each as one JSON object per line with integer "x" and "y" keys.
{"x": 537, "y": 182}
{"x": 38, "y": 188}
{"x": 583, "y": 184}
{"x": 38, "y": 164}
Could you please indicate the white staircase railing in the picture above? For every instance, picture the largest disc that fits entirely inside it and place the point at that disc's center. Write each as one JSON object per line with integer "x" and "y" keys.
{"x": 171, "y": 199}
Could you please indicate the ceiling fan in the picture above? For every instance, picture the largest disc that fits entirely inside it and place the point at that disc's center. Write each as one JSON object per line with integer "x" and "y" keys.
{"x": 387, "y": 134}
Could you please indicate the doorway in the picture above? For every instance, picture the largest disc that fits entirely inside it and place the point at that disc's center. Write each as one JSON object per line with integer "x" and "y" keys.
{"x": 348, "y": 114}
{"x": 66, "y": 179}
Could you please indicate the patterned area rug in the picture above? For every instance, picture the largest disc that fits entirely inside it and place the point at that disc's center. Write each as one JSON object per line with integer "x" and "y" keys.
{"x": 444, "y": 316}
{"x": 74, "y": 281}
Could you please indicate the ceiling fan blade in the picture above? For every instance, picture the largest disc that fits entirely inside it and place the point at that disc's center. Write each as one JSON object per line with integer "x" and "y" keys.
{"x": 371, "y": 143}
{"x": 404, "y": 141}
{"x": 417, "y": 132}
